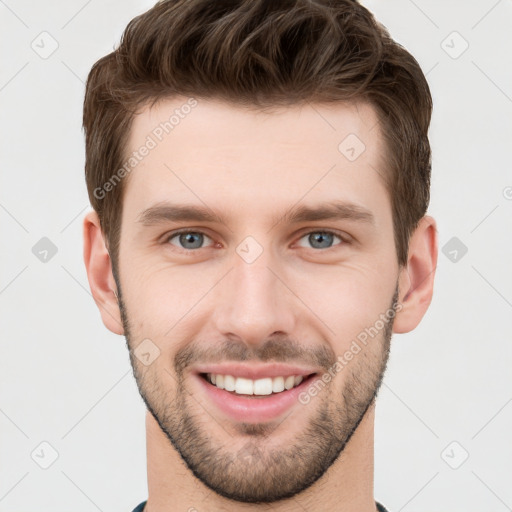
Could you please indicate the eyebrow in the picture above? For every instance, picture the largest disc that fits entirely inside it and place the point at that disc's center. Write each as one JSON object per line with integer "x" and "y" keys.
{"x": 333, "y": 210}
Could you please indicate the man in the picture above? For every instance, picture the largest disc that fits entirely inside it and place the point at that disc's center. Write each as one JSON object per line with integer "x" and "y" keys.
{"x": 259, "y": 173}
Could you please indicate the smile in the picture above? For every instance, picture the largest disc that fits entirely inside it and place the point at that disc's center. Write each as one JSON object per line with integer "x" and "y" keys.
{"x": 258, "y": 395}
{"x": 260, "y": 387}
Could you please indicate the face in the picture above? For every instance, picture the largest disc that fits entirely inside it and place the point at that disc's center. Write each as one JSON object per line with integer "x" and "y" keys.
{"x": 257, "y": 251}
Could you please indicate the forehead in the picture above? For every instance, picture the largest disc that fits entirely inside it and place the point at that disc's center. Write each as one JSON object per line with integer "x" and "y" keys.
{"x": 208, "y": 151}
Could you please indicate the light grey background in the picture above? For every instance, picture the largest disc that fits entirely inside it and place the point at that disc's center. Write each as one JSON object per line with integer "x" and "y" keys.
{"x": 66, "y": 380}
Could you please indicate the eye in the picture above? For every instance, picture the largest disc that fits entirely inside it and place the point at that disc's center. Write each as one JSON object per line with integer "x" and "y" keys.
{"x": 321, "y": 239}
{"x": 188, "y": 239}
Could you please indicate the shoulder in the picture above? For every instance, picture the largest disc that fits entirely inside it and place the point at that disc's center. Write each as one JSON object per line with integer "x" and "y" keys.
{"x": 140, "y": 507}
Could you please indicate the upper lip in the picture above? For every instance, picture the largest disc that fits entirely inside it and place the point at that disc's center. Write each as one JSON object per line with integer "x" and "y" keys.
{"x": 256, "y": 371}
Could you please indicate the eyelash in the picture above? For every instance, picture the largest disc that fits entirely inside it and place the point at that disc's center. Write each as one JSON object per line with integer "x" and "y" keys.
{"x": 170, "y": 236}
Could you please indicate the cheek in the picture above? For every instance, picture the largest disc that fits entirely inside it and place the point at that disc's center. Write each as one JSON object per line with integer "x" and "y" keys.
{"x": 347, "y": 301}
{"x": 160, "y": 300}
{"x": 341, "y": 300}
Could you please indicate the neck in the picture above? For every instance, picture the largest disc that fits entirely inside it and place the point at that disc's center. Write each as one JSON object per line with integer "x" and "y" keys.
{"x": 347, "y": 485}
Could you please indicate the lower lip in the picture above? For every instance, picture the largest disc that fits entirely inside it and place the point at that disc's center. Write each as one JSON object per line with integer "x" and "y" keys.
{"x": 251, "y": 408}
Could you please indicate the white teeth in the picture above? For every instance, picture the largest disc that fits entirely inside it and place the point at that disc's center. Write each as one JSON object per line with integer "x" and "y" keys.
{"x": 278, "y": 384}
{"x": 289, "y": 382}
{"x": 265, "y": 386}
{"x": 243, "y": 386}
{"x": 229, "y": 383}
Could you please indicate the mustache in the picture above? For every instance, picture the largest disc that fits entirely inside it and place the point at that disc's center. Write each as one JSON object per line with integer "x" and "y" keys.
{"x": 276, "y": 349}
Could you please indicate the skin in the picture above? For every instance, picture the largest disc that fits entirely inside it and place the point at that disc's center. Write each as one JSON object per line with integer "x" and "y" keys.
{"x": 296, "y": 302}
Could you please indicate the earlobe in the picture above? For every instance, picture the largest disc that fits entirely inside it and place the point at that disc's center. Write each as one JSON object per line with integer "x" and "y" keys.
{"x": 416, "y": 281}
{"x": 99, "y": 273}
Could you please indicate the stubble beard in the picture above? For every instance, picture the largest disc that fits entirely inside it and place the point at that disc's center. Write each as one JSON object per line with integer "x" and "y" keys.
{"x": 256, "y": 472}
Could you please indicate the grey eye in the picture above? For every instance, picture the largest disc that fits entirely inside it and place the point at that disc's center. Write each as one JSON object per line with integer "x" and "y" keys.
{"x": 189, "y": 239}
{"x": 321, "y": 239}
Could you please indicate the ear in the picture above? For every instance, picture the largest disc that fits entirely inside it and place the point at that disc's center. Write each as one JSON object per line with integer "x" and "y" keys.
{"x": 99, "y": 273}
{"x": 416, "y": 280}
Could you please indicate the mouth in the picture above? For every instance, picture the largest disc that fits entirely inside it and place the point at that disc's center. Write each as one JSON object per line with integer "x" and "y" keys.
{"x": 254, "y": 400}
{"x": 254, "y": 388}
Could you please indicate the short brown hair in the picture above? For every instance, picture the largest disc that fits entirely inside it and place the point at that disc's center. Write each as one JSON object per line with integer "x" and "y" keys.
{"x": 261, "y": 53}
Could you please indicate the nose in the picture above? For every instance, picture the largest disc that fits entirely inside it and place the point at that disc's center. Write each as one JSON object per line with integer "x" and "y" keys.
{"x": 253, "y": 303}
